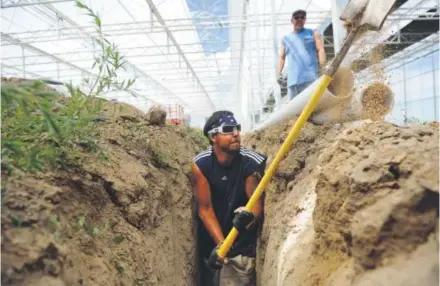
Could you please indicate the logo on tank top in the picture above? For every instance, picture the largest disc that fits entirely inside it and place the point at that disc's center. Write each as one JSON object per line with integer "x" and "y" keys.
{"x": 224, "y": 178}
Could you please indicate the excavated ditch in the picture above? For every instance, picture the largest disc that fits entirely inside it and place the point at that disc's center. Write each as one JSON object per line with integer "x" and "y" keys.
{"x": 349, "y": 205}
{"x": 127, "y": 220}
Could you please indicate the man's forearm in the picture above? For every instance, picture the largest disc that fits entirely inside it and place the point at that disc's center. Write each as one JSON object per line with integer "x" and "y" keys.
{"x": 322, "y": 57}
{"x": 257, "y": 210}
{"x": 211, "y": 224}
{"x": 280, "y": 65}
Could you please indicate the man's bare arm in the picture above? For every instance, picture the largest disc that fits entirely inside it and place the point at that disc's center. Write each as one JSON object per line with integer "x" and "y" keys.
{"x": 320, "y": 48}
{"x": 281, "y": 59}
{"x": 251, "y": 184}
{"x": 205, "y": 208}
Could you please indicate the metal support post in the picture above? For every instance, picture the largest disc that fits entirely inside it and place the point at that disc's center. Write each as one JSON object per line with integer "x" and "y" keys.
{"x": 58, "y": 25}
{"x": 277, "y": 92}
{"x": 405, "y": 114}
{"x": 257, "y": 50}
{"x": 23, "y": 61}
{"x": 338, "y": 26}
{"x": 434, "y": 80}
{"x": 151, "y": 20}
{"x": 58, "y": 70}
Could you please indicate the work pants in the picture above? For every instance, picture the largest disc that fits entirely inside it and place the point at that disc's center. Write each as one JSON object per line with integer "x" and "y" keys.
{"x": 296, "y": 89}
{"x": 238, "y": 271}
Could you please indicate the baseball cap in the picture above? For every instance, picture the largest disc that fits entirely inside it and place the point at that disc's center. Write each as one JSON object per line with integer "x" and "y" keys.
{"x": 299, "y": 12}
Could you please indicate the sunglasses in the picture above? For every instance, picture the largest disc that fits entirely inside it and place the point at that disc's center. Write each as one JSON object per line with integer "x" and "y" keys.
{"x": 225, "y": 129}
{"x": 299, "y": 17}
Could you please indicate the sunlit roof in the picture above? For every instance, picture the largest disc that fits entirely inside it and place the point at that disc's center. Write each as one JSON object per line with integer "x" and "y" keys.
{"x": 199, "y": 73}
{"x": 200, "y": 54}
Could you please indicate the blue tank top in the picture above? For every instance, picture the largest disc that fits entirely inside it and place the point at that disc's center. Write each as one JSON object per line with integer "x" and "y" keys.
{"x": 302, "y": 57}
{"x": 227, "y": 186}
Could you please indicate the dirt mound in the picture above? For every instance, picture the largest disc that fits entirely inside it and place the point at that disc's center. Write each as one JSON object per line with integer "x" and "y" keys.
{"x": 122, "y": 111}
{"x": 122, "y": 219}
{"x": 351, "y": 205}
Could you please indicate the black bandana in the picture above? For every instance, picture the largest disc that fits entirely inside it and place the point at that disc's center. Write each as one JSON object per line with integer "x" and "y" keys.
{"x": 224, "y": 120}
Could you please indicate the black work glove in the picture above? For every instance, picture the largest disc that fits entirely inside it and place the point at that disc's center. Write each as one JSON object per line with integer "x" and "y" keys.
{"x": 214, "y": 261}
{"x": 281, "y": 80}
{"x": 243, "y": 219}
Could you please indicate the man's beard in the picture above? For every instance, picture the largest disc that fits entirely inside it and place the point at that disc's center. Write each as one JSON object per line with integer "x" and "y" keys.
{"x": 229, "y": 150}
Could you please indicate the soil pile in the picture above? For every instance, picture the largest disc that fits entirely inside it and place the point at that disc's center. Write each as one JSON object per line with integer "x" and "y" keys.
{"x": 351, "y": 205}
{"x": 123, "y": 219}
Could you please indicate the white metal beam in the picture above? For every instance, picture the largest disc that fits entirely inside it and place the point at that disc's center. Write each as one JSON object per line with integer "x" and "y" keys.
{"x": 179, "y": 49}
{"x": 158, "y": 47}
{"x": 131, "y": 65}
{"x": 57, "y": 59}
{"x": 16, "y": 4}
{"x": 29, "y": 47}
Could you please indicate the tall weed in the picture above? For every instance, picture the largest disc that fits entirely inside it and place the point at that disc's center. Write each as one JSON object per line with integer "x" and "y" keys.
{"x": 42, "y": 129}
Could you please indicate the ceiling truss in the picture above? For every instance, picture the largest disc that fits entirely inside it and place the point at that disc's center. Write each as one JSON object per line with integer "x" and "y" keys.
{"x": 180, "y": 56}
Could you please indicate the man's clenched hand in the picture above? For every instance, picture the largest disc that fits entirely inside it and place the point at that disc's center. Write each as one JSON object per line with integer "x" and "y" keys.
{"x": 214, "y": 261}
{"x": 243, "y": 219}
{"x": 281, "y": 80}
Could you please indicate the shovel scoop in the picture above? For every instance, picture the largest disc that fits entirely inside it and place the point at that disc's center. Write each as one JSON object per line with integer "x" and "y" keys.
{"x": 360, "y": 15}
{"x": 370, "y": 14}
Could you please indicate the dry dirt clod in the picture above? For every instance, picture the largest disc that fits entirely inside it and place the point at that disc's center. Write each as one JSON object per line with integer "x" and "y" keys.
{"x": 375, "y": 215}
{"x": 116, "y": 221}
{"x": 156, "y": 116}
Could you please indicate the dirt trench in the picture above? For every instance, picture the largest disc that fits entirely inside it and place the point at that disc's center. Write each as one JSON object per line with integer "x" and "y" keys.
{"x": 124, "y": 220}
{"x": 351, "y": 205}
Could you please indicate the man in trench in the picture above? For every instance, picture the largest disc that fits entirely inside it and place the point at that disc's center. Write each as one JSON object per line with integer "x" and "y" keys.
{"x": 224, "y": 177}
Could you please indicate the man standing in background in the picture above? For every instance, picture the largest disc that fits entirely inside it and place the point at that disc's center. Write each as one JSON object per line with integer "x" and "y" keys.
{"x": 305, "y": 52}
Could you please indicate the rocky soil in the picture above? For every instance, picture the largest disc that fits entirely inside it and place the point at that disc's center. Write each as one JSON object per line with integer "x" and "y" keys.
{"x": 351, "y": 205}
{"x": 123, "y": 219}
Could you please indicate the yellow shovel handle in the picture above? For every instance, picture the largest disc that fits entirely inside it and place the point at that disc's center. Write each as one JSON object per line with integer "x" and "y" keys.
{"x": 293, "y": 134}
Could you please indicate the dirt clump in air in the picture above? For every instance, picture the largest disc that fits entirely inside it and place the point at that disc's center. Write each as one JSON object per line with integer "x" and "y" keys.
{"x": 377, "y": 101}
{"x": 122, "y": 218}
{"x": 351, "y": 205}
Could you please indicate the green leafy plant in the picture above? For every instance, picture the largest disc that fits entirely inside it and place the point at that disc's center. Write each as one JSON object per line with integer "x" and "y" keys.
{"x": 16, "y": 221}
{"x": 198, "y": 137}
{"x": 107, "y": 62}
{"x": 159, "y": 157}
{"x": 140, "y": 282}
{"x": 414, "y": 121}
{"x": 118, "y": 239}
{"x": 120, "y": 267}
{"x": 54, "y": 225}
{"x": 42, "y": 129}
{"x": 92, "y": 230}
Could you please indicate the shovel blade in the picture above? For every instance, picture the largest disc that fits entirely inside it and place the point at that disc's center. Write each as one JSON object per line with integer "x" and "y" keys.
{"x": 371, "y": 12}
